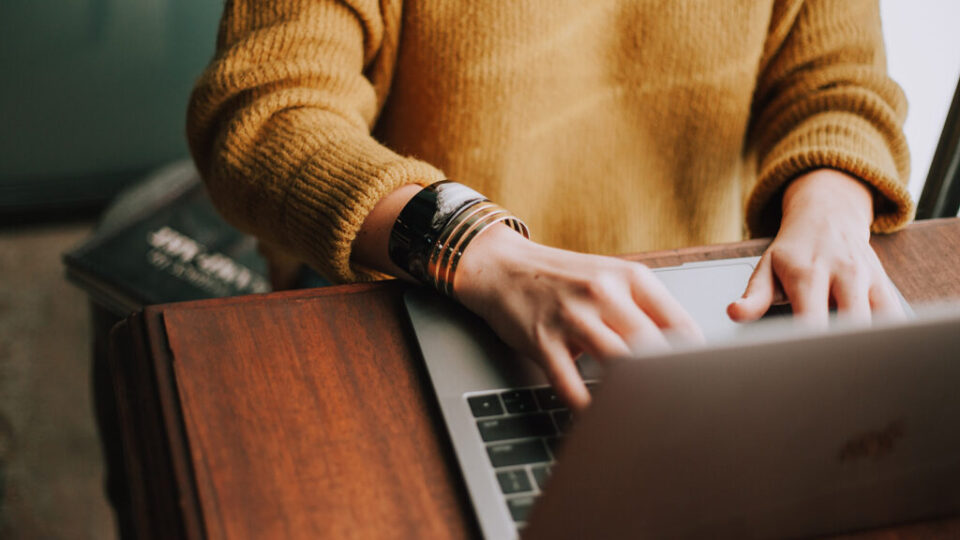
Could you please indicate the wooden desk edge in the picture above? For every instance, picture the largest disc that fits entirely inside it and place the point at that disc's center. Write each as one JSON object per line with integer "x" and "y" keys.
{"x": 654, "y": 259}
{"x": 162, "y": 487}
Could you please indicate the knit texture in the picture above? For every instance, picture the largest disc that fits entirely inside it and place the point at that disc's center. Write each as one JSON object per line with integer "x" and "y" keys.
{"x": 608, "y": 126}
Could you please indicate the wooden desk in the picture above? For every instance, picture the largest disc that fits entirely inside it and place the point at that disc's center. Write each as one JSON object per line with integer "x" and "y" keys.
{"x": 309, "y": 414}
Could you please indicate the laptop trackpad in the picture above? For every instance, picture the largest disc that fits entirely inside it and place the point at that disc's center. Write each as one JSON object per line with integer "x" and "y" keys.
{"x": 705, "y": 291}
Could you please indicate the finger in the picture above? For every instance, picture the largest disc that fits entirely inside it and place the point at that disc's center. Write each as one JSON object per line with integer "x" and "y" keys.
{"x": 652, "y": 296}
{"x": 758, "y": 295}
{"x": 809, "y": 294}
{"x": 592, "y": 336}
{"x": 852, "y": 296}
{"x": 884, "y": 301}
{"x": 561, "y": 371}
{"x": 636, "y": 329}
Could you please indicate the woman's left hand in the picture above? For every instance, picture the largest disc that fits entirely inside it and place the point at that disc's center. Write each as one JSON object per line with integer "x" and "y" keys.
{"x": 821, "y": 256}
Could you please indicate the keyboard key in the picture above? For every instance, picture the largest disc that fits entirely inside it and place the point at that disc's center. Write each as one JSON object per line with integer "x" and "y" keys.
{"x": 562, "y": 418}
{"x": 540, "y": 474}
{"x": 520, "y": 507}
{"x": 516, "y": 427}
{"x": 519, "y": 453}
{"x": 553, "y": 443}
{"x": 514, "y": 481}
{"x": 519, "y": 401}
{"x": 548, "y": 399}
{"x": 487, "y": 405}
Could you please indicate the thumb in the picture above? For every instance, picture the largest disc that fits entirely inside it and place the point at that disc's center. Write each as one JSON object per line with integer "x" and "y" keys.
{"x": 758, "y": 296}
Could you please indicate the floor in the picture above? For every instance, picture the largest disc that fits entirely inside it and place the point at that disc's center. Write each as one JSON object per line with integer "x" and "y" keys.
{"x": 50, "y": 463}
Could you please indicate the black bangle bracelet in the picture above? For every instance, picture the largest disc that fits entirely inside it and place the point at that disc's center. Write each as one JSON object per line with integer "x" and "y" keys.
{"x": 422, "y": 221}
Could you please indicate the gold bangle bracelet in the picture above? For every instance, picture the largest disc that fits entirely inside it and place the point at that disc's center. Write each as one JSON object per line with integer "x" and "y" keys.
{"x": 443, "y": 242}
{"x": 466, "y": 231}
{"x": 456, "y": 228}
{"x": 452, "y": 270}
{"x": 447, "y": 250}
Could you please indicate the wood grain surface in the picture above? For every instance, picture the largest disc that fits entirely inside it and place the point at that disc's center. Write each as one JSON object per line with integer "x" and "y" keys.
{"x": 308, "y": 418}
{"x": 309, "y": 414}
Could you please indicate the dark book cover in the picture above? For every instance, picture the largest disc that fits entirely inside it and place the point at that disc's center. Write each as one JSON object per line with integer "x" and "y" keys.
{"x": 165, "y": 242}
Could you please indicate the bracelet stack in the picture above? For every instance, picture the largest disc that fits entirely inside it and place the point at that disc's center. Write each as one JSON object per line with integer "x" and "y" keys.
{"x": 435, "y": 228}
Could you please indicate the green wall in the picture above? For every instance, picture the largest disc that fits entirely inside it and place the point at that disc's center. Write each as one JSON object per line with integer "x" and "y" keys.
{"x": 94, "y": 91}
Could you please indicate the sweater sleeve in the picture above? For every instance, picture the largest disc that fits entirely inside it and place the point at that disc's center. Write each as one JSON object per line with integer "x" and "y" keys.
{"x": 279, "y": 124}
{"x": 824, "y": 100}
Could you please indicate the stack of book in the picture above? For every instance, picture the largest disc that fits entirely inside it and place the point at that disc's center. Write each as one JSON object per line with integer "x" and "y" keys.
{"x": 163, "y": 241}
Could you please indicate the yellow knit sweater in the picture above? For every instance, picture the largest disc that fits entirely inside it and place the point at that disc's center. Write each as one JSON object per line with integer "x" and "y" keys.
{"x": 609, "y": 126}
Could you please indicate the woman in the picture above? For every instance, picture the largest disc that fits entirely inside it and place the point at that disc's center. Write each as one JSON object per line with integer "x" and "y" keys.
{"x": 608, "y": 127}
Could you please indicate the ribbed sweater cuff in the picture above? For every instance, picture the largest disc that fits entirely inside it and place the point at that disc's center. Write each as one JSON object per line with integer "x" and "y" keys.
{"x": 841, "y": 141}
{"x": 336, "y": 193}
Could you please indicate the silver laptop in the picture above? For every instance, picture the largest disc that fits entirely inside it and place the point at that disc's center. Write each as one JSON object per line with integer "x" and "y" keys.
{"x": 801, "y": 436}
{"x": 508, "y": 427}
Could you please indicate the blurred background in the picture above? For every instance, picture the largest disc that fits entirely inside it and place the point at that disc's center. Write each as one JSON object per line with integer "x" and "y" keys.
{"x": 93, "y": 97}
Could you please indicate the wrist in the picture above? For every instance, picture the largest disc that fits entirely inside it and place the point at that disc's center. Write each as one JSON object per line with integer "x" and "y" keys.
{"x": 830, "y": 193}
{"x": 370, "y": 247}
{"x": 435, "y": 228}
{"x": 487, "y": 257}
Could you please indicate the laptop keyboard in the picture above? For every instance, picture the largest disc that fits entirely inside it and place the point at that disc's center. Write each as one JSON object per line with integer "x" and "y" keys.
{"x": 522, "y": 430}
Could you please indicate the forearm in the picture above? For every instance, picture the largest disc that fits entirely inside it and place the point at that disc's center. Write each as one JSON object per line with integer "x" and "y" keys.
{"x": 823, "y": 100}
{"x": 283, "y": 140}
{"x": 370, "y": 244}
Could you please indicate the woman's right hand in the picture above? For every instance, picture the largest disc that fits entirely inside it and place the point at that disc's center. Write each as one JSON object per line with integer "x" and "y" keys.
{"x": 551, "y": 305}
